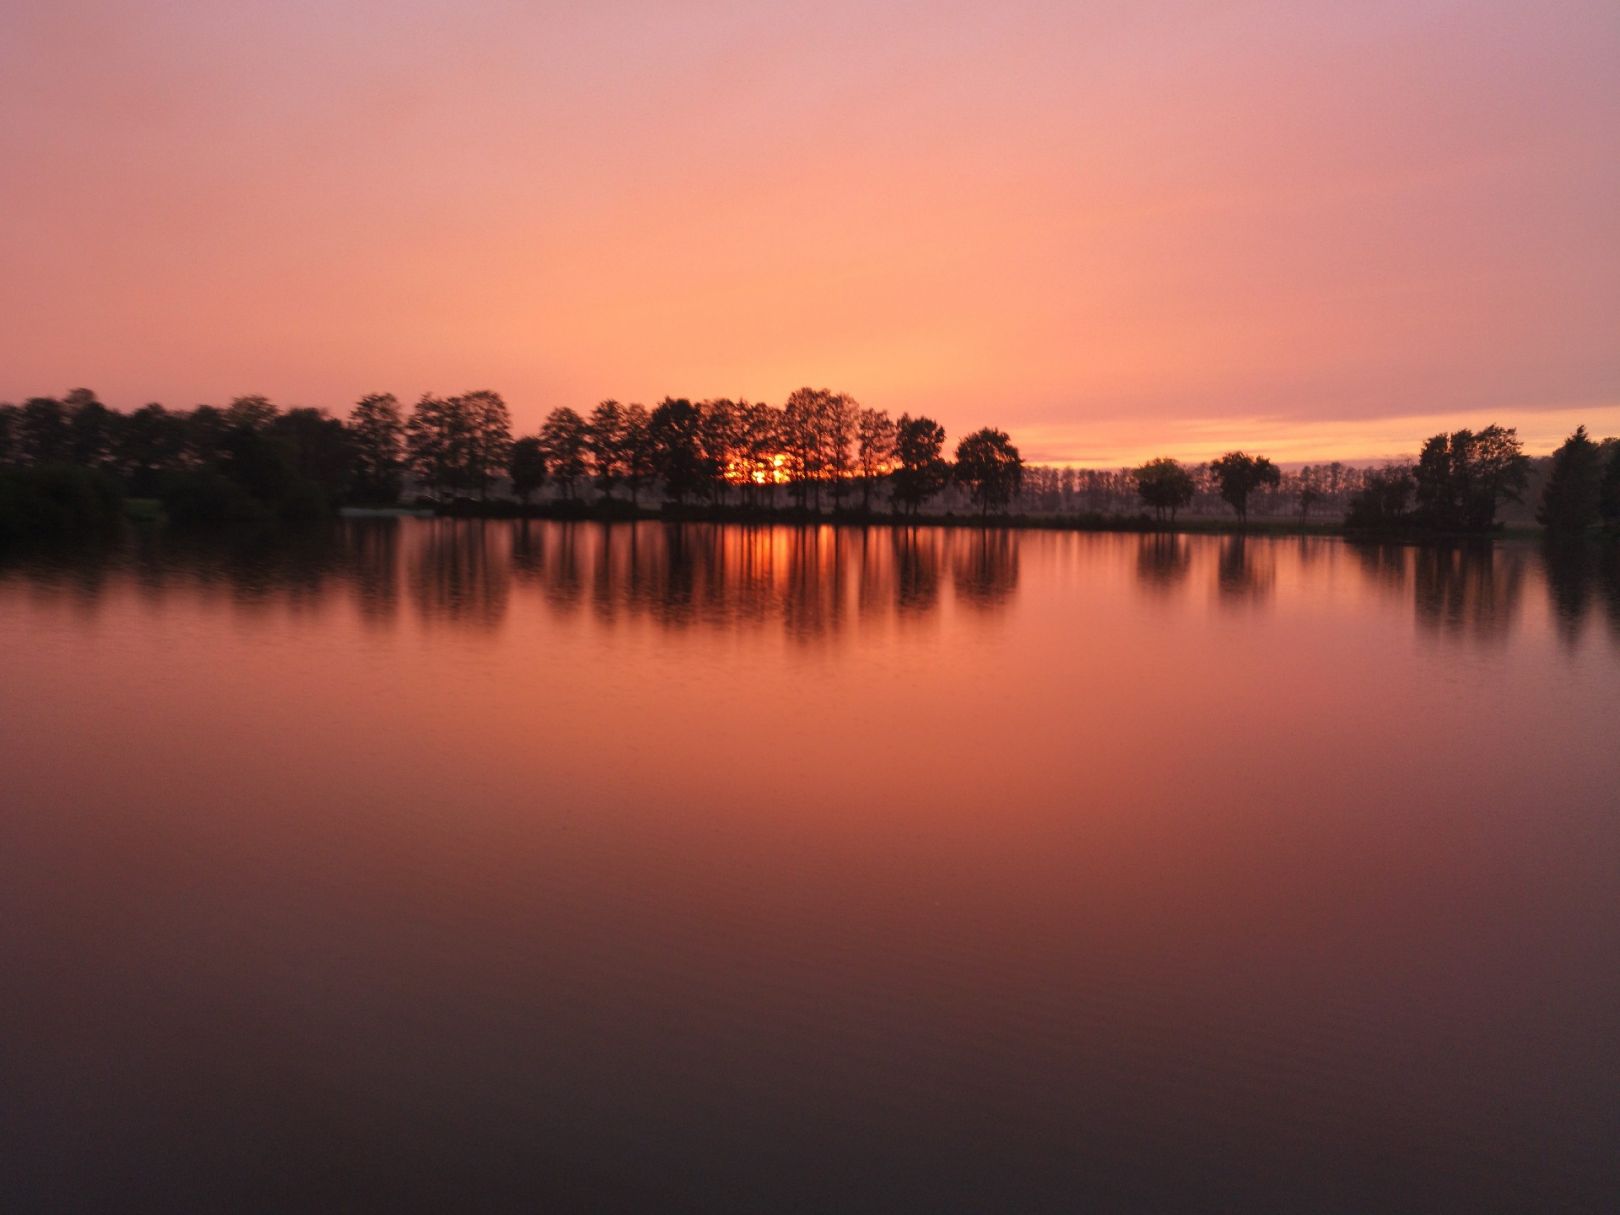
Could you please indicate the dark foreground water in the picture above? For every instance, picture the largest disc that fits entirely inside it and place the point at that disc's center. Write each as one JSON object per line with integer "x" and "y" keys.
{"x": 543, "y": 867}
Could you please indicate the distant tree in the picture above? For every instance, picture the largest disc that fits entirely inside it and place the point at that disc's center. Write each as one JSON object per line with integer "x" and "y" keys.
{"x": 435, "y": 441}
{"x": 720, "y": 437}
{"x": 205, "y": 429}
{"x": 921, "y": 470}
{"x": 801, "y": 432}
{"x": 990, "y": 467}
{"x": 605, "y": 442}
{"x": 253, "y": 412}
{"x": 487, "y": 425}
{"x": 1164, "y": 485}
{"x": 377, "y": 435}
{"x": 1571, "y": 498}
{"x": 527, "y": 468}
{"x": 874, "y": 447}
{"x": 42, "y": 434}
{"x": 1381, "y": 503}
{"x": 1609, "y": 490}
{"x": 92, "y": 429}
{"x": 565, "y": 441}
{"x": 9, "y": 423}
{"x": 1239, "y": 474}
{"x": 638, "y": 452}
{"x": 1462, "y": 478}
{"x": 319, "y": 453}
{"x": 836, "y": 422}
{"x": 674, "y": 433}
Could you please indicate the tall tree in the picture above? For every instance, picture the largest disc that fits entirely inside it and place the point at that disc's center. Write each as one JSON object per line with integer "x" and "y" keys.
{"x": 1571, "y": 498}
{"x": 991, "y": 468}
{"x": 1609, "y": 492}
{"x": 638, "y": 451}
{"x": 252, "y": 412}
{"x": 488, "y": 428}
{"x": 92, "y": 429}
{"x": 837, "y": 417}
{"x": 604, "y": 441}
{"x": 921, "y": 471}
{"x": 319, "y": 451}
{"x": 435, "y": 440}
{"x": 874, "y": 448}
{"x": 1164, "y": 485}
{"x": 802, "y": 421}
{"x": 1380, "y": 504}
{"x": 673, "y": 431}
{"x": 1239, "y": 474}
{"x": 719, "y": 435}
{"x": 565, "y": 440}
{"x": 42, "y": 433}
{"x": 1462, "y": 478}
{"x": 377, "y": 433}
{"x": 527, "y": 467}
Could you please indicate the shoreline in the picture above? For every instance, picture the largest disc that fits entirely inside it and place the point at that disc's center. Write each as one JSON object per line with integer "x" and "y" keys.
{"x": 624, "y": 512}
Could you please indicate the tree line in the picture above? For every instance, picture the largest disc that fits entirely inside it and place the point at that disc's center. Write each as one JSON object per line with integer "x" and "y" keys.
{"x": 250, "y": 459}
{"x": 73, "y": 457}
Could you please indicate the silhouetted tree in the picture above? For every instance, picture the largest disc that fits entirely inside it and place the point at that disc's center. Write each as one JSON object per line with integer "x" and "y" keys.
{"x": 10, "y": 417}
{"x": 151, "y": 442}
{"x": 673, "y": 431}
{"x": 1164, "y": 485}
{"x": 487, "y": 426}
{"x": 205, "y": 428}
{"x": 1382, "y": 501}
{"x": 802, "y": 421}
{"x": 92, "y": 429}
{"x": 720, "y": 437}
{"x": 991, "y": 468}
{"x": 760, "y": 442}
{"x": 1239, "y": 474}
{"x": 435, "y": 440}
{"x": 874, "y": 447}
{"x": 528, "y": 468}
{"x": 921, "y": 471}
{"x": 1571, "y": 497}
{"x": 1462, "y": 478}
{"x": 319, "y": 452}
{"x": 638, "y": 451}
{"x": 605, "y": 442}
{"x": 42, "y": 432}
{"x": 565, "y": 441}
{"x": 836, "y": 420}
{"x": 377, "y": 436}
{"x": 251, "y": 413}
{"x": 1609, "y": 488}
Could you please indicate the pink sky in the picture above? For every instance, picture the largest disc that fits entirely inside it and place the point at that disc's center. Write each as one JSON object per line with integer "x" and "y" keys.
{"x": 1114, "y": 229}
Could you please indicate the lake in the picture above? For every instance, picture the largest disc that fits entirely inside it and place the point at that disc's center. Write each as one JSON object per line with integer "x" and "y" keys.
{"x": 481, "y": 866}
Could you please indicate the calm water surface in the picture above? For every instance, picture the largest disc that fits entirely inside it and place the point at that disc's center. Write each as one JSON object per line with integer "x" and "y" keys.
{"x": 459, "y": 866}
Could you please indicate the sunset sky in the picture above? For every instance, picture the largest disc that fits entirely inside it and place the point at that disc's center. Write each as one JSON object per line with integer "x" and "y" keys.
{"x": 1115, "y": 229}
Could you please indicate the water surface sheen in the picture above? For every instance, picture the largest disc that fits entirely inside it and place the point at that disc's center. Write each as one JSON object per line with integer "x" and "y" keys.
{"x": 460, "y": 866}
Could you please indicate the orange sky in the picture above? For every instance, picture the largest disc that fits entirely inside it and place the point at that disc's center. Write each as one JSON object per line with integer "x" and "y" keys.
{"x": 1115, "y": 229}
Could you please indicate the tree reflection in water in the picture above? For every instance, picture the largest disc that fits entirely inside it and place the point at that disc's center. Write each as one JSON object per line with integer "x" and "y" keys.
{"x": 810, "y": 581}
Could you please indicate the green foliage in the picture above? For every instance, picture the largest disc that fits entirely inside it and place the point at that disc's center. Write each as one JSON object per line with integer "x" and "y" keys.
{"x": 990, "y": 466}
